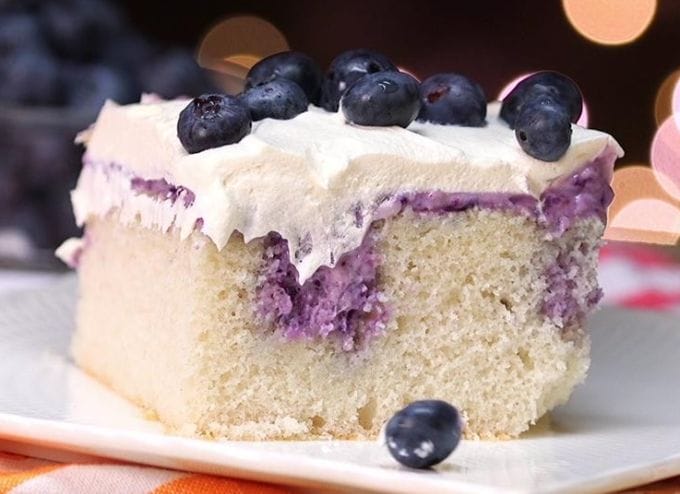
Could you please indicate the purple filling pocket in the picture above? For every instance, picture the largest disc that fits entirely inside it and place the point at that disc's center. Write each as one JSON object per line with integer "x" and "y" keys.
{"x": 341, "y": 302}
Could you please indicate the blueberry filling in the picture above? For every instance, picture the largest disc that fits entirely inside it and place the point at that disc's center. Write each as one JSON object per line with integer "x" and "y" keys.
{"x": 162, "y": 190}
{"x": 341, "y": 302}
{"x": 344, "y": 301}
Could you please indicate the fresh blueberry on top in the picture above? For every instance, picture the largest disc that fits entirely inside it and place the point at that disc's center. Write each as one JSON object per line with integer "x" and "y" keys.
{"x": 558, "y": 86}
{"x": 452, "y": 99}
{"x": 424, "y": 433}
{"x": 345, "y": 69}
{"x": 280, "y": 99}
{"x": 291, "y": 65}
{"x": 543, "y": 129}
{"x": 212, "y": 120}
{"x": 382, "y": 99}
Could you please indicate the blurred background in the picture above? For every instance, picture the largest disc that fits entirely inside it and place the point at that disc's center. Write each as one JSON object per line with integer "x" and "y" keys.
{"x": 60, "y": 59}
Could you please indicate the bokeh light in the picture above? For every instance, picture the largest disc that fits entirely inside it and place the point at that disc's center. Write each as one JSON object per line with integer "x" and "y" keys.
{"x": 642, "y": 210}
{"x": 583, "y": 119}
{"x": 665, "y": 156}
{"x": 667, "y": 97}
{"x": 235, "y": 44}
{"x": 665, "y": 229}
{"x": 675, "y": 102}
{"x": 610, "y": 22}
{"x": 635, "y": 182}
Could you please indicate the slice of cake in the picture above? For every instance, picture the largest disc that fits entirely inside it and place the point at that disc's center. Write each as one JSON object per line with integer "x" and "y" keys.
{"x": 303, "y": 276}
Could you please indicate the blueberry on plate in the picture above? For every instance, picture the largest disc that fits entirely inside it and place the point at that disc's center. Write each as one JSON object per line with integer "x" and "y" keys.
{"x": 291, "y": 65}
{"x": 424, "y": 433}
{"x": 280, "y": 99}
{"x": 558, "y": 86}
{"x": 452, "y": 99}
{"x": 348, "y": 67}
{"x": 543, "y": 129}
{"x": 212, "y": 120}
{"x": 382, "y": 99}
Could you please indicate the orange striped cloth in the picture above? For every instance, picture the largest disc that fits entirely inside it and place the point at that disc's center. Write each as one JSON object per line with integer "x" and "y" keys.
{"x": 22, "y": 475}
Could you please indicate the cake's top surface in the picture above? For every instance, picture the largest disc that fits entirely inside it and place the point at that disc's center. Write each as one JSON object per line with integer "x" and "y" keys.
{"x": 307, "y": 177}
{"x": 143, "y": 138}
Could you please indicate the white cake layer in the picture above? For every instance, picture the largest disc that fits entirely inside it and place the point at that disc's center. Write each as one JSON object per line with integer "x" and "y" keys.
{"x": 173, "y": 325}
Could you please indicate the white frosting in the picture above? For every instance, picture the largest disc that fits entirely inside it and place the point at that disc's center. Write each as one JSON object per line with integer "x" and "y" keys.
{"x": 304, "y": 177}
{"x": 69, "y": 251}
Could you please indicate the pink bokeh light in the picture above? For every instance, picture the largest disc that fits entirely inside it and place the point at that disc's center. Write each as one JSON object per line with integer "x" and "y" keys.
{"x": 675, "y": 103}
{"x": 665, "y": 156}
{"x": 636, "y": 214}
{"x": 583, "y": 119}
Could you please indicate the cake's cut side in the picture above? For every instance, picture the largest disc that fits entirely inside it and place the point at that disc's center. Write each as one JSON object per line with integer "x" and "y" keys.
{"x": 210, "y": 362}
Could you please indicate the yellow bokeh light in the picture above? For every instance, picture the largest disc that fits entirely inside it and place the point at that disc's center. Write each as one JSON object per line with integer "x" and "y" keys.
{"x": 235, "y": 44}
{"x": 232, "y": 46}
{"x": 243, "y": 60}
{"x": 610, "y": 22}
{"x": 663, "y": 104}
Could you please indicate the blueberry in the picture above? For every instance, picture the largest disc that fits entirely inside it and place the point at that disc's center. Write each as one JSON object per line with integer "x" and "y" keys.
{"x": 345, "y": 69}
{"x": 543, "y": 129}
{"x": 212, "y": 120}
{"x": 382, "y": 99}
{"x": 19, "y": 32}
{"x": 424, "y": 433}
{"x": 30, "y": 78}
{"x": 175, "y": 73}
{"x": 291, "y": 65}
{"x": 130, "y": 51}
{"x": 280, "y": 99}
{"x": 559, "y": 87}
{"x": 452, "y": 99}
{"x": 77, "y": 29}
{"x": 89, "y": 86}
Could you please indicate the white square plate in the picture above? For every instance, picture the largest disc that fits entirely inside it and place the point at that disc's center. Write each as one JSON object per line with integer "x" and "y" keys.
{"x": 622, "y": 428}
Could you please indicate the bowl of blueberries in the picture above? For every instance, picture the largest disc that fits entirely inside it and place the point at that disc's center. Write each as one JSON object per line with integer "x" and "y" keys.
{"x": 59, "y": 61}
